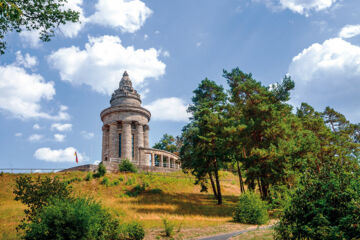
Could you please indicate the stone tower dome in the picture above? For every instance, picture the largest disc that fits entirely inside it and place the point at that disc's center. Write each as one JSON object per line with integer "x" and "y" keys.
{"x": 125, "y": 124}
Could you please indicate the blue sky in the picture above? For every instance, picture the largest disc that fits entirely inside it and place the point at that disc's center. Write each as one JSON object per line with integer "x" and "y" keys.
{"x": 51, "y": 94}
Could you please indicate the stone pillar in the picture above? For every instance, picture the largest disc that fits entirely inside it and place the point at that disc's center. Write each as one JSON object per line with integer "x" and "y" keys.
{"x": 103, "y": 152}
{"x": 152, "y": 159}
{"x": 113, "y": 136}
{"x": 146, "y": 136}
{"x": 161, "y": 161}
{"x": 126, "y": 139}
{"x": 169, "y": 162}
{"x": 139, "y": 140}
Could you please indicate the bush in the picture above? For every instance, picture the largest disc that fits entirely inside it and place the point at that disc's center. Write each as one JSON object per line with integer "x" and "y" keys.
{"x": 135, "y": 231}
{"x": 101, "y": 171}
{"x": 72, "y": 219}
{"x": 115, "y": 182}
{"x": 326, "y": 205}
{"x": 36, "y": 194}
{"x": 89, "y": 176}
{"x": 105, "y": 181}
{"x": 130, "y": 181}
{"x": 251, "y": 209}
{"x": 127, "y": 166}
{"x": 136, "y": 190}
{"x": 168, "y": 227}
{"x": 121, "y": 178}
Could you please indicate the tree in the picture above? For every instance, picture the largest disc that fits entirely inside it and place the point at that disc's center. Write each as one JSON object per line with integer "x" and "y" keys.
{"x": 167, "y": 143}
{"x": 39, "y": 15}
{"x": 202, "y": 150}
{"x": 262, "y": 131}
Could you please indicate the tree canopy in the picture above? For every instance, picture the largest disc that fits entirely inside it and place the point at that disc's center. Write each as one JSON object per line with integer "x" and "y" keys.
{"x": 39, "y": 15}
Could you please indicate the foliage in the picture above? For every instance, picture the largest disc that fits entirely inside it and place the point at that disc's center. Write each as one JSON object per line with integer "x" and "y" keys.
{"x": 279, "y": 196}
{"x": 89, "y": 176}
{"x": 138, "y": 189}
{"x": 202, "y": 150}
{"x": 167, "y": 143}
{"x": 101, "y": 171}
{"x": 105, "y": 181}
{"x": 168, "y": 227}
{"x": 121, "y": 178}
{"x": 36, "y": 194}
{"x": 115, "y": 182}
{"x": 72, "y": 219}
{"x": 130, "y": 181}
{"x": 127, "y": 166}
{"x": 134, "y": 231}
{"x": 326, "y": 205}
{"x": 43, "y": 16}
{"x": 251, "y": 209}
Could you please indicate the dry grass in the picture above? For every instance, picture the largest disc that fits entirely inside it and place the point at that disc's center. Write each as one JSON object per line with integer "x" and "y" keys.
{"x": 176, "y": 199}
{"x": 256, "y": 235}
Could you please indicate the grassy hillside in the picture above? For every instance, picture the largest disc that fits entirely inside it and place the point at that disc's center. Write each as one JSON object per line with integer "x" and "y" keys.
{"x": 172, "y": 196}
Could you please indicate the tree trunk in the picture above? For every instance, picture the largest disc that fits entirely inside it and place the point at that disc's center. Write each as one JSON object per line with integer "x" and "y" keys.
{"x": 218, "y": 184}
{"x": 264, "y": 190}
{"x": 242, "y": 189}
{"x": 213, "y": 185}
{"x": 260, "y": 188}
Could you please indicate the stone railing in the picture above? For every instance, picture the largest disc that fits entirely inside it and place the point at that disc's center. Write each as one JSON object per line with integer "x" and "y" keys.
{"x": 158, "y": 158}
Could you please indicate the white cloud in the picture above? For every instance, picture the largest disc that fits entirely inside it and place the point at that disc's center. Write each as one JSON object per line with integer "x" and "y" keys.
{"x": 103, "y": 61}
{"x": 35, "y": 137}
{"x": 71, "y": 29}
{"x": 59, "y": 137}
{"x": 30, "y": 38}
{"x": 198, "y": 44}
{"x": 170, "y": 109}
{"x": 166, "y": 53}
{"x": 146, "y": 37}
{"x": 303, "y": 7}
{"x": 21, "y": 93}
{"x": 59, "y": 155}
{"x": 36, "y": 126}
{"x": 328, "y": 74}
{"x": 18, "y": 134}
{"x": 27, "y": 61}
{"x": 128, "y": 15}
{"x": 61, "y": 127}
{"x": 87, "y": 135}
{"x": 349, "y": 31}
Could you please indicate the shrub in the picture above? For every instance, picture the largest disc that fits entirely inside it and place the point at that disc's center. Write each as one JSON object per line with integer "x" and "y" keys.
{"x": 89, "y": 176}
{"x": 135, "y": 231}
{"x": 156, "y": 191}
{"x": 80, "y": 219}
{"x": 136, "y": 190}
{"x": 326, "y": 205}
{"x": 130, "y": 181}
{"x": 105, "y": 181}
{"x": 37, "y": 193}
{"x": 121, "y": 178}
{"x": 251, "y": 209}
{"x": 101, "y": 171}
{"x": 115, "y": 182}
{"x": 127, "y": 166}
{"x": 168, "y": 227}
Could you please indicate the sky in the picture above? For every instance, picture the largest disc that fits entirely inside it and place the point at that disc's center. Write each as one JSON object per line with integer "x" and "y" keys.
{"x": 51, "y": 94}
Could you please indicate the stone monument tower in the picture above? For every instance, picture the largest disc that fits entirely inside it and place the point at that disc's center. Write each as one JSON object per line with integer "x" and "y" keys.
{"x": 126, "y": 131}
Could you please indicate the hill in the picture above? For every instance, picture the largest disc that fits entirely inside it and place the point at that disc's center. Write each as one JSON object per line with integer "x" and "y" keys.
{"x": 146, "y": 198}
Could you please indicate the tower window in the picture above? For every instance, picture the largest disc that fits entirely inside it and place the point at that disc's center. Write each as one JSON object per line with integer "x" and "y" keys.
{"x": 120, "y": 145}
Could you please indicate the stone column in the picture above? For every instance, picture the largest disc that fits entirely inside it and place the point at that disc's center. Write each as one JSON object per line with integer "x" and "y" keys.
{"x": 169, "y": 162}
{"x": 161, "y": 161}
{"x": 152, "y": 159}
{"x": 113, "y": 136}
{"x": 139, "y": 142}
{"x": 103, "y": 143}
{"x": 146, "y": 136}
{"x": 126, "y": 138}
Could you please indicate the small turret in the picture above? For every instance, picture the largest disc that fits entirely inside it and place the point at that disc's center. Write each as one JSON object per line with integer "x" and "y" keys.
{"x": 125, "y": 94}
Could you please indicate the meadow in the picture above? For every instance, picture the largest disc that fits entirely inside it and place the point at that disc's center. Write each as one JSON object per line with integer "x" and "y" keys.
{"x": 146, "y": 198}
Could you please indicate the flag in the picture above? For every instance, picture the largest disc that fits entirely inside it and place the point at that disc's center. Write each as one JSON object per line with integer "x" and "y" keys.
{"x": 76, "y": 158}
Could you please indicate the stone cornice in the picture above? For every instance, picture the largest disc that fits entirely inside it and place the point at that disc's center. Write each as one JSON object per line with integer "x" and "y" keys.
{"x": 125, "y": 108}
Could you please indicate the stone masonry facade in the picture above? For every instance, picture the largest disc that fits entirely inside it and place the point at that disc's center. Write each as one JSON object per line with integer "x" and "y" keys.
{"x": 126, "y": 132}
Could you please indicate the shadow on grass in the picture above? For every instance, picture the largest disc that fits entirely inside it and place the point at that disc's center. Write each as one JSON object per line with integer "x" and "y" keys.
{"x": 185, "y": 204}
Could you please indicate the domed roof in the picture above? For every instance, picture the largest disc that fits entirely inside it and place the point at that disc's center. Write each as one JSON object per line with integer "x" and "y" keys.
{"x": 125, "y": 94}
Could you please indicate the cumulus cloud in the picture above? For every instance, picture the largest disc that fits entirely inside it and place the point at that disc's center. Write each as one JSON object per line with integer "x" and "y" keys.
{"x": 26, "y": 61}
{"x": 59, "y": 155}
{"x": 18, "y": 134}
{"x": 21, "y": 93}
{"x": 30, "y": 38}
{"x": 59, "y": 137}
{"x": 61, "y": 127}
{"x": 328, "y": 73}
{"x": 128, "y": 15}
{"x": 87, "y": 135}
{"x": 71, "y": 29}
{"x": 303, "y": 7}
{"x": 170, "y": 109}
{"x": 103, "y": 61}
{"x": 35, "y": 137}
{"x": 349, "y": 31}
{"x": 36, "y": 126}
